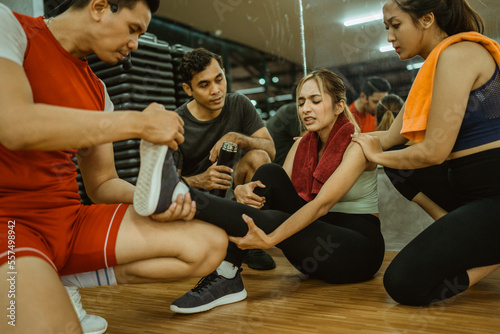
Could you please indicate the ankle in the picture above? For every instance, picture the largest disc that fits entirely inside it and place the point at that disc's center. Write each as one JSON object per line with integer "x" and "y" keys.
{"x": 227, "y": 269}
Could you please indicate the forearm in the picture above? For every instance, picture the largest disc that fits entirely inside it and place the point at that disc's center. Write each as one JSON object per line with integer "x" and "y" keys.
{"x": 195, "y": 181}
{"x": 113, "y": 191}
{"x": 256, "y": 143}
{"x": 412, "y": 157}
{"x": 387, "y": 140}
{"x": 296, "y": 222}
{"x": 45, "y": 127}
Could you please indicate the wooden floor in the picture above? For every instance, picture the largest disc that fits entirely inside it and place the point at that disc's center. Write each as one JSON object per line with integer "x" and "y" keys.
{"x": 280, "y": 302}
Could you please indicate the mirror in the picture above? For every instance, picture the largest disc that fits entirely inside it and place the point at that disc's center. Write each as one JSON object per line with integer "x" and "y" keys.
{"x": 265, "y": 43}
{"x": 264, "y": 39}
{"x": 253, "y": 38}
{"x": 354, "y": 51}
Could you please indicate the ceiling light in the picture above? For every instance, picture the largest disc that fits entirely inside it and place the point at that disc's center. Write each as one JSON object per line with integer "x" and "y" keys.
{"x": 386, "y": 48}
{"x": 415, "y": 66}
{"x": 251, "y": 90}
{"x": 285, "y": 97}
{"x": 364, "y": 19}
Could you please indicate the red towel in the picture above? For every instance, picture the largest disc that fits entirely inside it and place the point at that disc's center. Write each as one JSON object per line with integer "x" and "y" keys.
{"x": 419, "y": 100}
{"x": 309, "y": 175}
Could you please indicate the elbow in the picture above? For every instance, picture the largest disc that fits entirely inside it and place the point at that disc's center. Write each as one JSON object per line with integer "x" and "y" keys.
{"x": 436, "y": 160}
{"x": 322, "y": 204}
{"x": 91, "y": 194}
{"x": 12, "y": 140}
{"x": 272, "y": 153}
{"x": 9, "y": 144}
{"x": 429, "y": 153}
{"x": 15, "y": 135}
{"x": 324, "y": 209}
{"x": 11, "y": 136}
{"x": 272, "y": 150}
{"x": 17, "y": 144}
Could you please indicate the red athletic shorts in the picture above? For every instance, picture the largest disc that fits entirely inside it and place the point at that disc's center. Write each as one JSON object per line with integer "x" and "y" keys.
{"x": 72, "y": 238}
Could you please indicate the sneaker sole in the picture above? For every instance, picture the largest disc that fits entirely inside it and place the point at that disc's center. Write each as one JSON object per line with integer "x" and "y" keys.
{"x": 147, "y": 191}
{"x": 260, "y": 266}
{"x": 98, "y": 332}
{"x": 93, "y": 319}
{"x": 228, "y": 299}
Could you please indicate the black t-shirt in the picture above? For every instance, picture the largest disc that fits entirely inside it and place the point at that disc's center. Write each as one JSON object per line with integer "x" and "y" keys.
{"x": 283, "y": 127}
{"x": 237, "y": 115}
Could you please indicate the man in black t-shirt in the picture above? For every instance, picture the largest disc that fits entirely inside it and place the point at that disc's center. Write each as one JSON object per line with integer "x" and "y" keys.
{"x": 212, "y": 117}
{"x": 238, "y": 122}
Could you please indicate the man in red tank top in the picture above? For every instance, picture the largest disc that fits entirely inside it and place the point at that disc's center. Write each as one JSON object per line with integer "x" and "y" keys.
{"x": 53, "y": 108}
{"x": 364, "y": 108}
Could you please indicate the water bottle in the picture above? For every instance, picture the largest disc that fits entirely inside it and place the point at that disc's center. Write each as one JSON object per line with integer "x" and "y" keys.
{"x": 227, "y": 157}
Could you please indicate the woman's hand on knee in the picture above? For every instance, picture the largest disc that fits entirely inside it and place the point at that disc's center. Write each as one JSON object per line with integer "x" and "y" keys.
{"x": 245, "y": 194}
{"x": 254, "y": 239}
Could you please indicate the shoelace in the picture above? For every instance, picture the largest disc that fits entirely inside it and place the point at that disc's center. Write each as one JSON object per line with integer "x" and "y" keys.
{"x": 205, "y": 282}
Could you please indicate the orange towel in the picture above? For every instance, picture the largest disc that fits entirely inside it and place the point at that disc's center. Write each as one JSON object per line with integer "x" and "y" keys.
{"x": 419, "y": 100}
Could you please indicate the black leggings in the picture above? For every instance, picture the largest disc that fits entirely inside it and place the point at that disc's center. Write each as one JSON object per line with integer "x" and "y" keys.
{"x": 432, "y": 267}
{"x": 339, "y": 248}
{"x": 431, "y": 181}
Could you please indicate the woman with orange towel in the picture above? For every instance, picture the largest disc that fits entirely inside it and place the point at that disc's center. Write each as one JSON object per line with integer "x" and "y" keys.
{"x": 452, "y": 113}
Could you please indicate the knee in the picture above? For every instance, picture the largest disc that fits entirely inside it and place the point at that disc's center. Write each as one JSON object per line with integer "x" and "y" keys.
{"x": 211, "y": 249}
{"x": 404, "y": 288}
{"x": 256, "y": 158}
{"x": 269, "y": 171}
{"x": 218, "y": 241}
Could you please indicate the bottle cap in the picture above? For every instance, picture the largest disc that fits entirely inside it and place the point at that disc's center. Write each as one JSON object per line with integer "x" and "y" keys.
{"x": 230, "y": 147}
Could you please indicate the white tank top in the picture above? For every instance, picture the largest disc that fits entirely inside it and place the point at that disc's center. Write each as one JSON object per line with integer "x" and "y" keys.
{"x": 362, "y": 198}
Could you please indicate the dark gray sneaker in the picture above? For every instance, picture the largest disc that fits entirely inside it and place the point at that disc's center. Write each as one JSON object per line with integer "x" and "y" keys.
{"x": 157, "y": 180}
{"x": 259, "y": 260}
{"x": 211, "y": 291}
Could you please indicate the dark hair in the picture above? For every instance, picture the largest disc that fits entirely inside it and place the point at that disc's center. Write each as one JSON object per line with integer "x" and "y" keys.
{"x": 453, "y": 16}
{"x": 331, "y": 84}
{"x": 387, "y": 108}
{"x": 130, "y": 4}
{"x": 195, "y": 62}
{"x": 375, "y": 85}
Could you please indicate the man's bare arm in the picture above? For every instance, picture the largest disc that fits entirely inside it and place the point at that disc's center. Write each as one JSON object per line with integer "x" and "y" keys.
{"x": 27, "y": 125}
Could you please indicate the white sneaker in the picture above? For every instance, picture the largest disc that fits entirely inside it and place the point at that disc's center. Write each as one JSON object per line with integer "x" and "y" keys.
{"x": 158, "y": 182}
{"x": 91, "y": 324}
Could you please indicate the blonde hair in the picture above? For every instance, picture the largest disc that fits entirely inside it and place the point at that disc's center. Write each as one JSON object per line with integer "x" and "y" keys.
{"x": 333, "y": 85}
{"x": 386, "y": 108}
